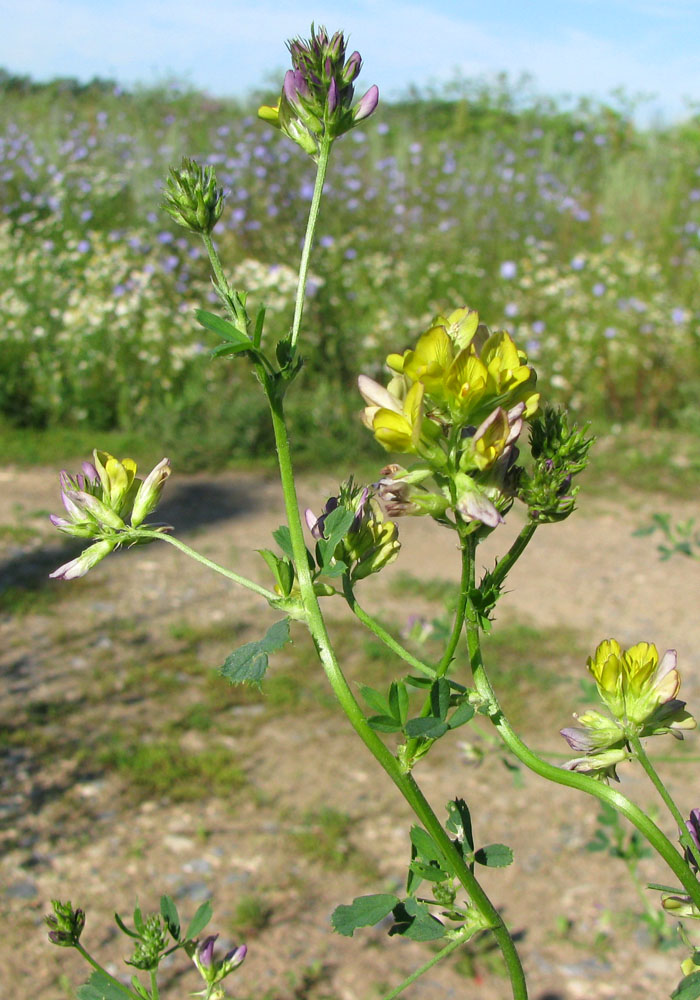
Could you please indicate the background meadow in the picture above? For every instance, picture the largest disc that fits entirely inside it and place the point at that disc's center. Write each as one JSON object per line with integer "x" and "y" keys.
{"x": 575, "y": 229}
{"x": 126, "y": 758}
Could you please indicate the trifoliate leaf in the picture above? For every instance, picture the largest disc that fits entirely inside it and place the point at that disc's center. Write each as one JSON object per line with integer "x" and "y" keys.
{"x": 248, "y": 664}
{"x": 364, "y": 911}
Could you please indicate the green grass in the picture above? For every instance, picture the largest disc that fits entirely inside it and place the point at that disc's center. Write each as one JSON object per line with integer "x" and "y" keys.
{"x": 603, "y": 293}
{"x": 163, "y": 769}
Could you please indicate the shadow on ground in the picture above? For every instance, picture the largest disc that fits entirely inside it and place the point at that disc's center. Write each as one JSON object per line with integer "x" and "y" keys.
{"x": 187, "y": 507}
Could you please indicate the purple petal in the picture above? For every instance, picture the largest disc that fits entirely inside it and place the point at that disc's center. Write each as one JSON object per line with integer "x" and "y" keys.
{"x": 205, "y": 950}
{"x": 367, "y": 104}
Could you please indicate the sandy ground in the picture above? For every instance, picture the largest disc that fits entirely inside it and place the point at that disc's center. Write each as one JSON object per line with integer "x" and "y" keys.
{"x": 70, "y": 830}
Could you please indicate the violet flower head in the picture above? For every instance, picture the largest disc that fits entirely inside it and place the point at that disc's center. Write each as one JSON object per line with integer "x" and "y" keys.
{"x": 317, "y": 95}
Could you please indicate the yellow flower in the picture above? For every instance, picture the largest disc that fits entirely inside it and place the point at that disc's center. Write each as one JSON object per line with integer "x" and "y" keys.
{"x": 396, "y": 423}
{"x": 638, "y": 688}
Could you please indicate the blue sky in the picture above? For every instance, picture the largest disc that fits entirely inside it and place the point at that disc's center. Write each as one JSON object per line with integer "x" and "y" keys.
{"x": 228, "y": 47}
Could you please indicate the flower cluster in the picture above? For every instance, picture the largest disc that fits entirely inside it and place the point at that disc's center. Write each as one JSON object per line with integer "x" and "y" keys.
{"x": 214, "y": 970}
{"x": 317, "y": 94}
{"x": 458, "y": 401}
{"x": 100, "y": 501}
{"x": 65, "y": 924}
{"x": 370, "y": 542}
{"x": 639, "y": 692}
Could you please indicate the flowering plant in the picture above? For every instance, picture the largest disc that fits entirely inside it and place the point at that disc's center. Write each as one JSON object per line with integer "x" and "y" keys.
{"x": 457, "y": 408}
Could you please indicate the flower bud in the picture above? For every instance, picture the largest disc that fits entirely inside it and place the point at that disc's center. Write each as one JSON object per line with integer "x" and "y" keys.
{"x": 192, "y": 197}
{"x": 65, "y": 924}
{"x": 149, "y": 492}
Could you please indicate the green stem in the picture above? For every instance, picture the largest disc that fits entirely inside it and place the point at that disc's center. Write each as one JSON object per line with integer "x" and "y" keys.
{"x": 96, "y": 965}
{"x": 446, "y": 659}
{"x": 506, "y": 563}
{"x": 216, "y": 265}
{"x": 685, "y": 838}
{"x": 154, "y": 985}
{"x": 404, "y": 782}
{"x": 443, "y": 953}
{"x": 658, "y": 840}
{"x": 381, "y": 633}
{"x": 228, "y": 573}
{"x": 322, "y": 167}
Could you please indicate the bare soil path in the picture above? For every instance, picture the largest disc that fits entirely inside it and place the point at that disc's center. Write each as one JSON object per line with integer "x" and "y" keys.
{"x": 129, "y": 650}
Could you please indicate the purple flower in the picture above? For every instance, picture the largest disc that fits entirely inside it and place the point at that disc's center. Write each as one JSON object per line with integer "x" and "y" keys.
{"x": 508, "y": 269}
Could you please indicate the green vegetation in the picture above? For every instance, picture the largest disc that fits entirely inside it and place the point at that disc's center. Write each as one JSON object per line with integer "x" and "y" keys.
{"x": 574, "y": 229}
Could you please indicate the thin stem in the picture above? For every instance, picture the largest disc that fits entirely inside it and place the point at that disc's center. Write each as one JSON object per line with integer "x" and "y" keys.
{"x": 658, "y": 840}
{"x": 446, "y": 659}
{"x": 685, "y": 838}
{"x": 154, "y": 985}
{"x": 96, "y": 965}
{"x": 404, "y": 782}
{"x": 506, "y": 562}
{"x": 322, "y": 167}
{"x": 443, "y": 953}
{"x": 460, "y": 611}
{"x": 216, "y": 266}
{"x": 381, "y": 633}
{"x": 228, "y": 573}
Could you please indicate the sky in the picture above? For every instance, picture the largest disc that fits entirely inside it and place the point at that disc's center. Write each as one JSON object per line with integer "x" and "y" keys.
{"x": 226, "y": 47}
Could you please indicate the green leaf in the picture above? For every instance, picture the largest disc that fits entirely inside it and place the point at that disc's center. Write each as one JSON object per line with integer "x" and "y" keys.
{"x": 248, "y": 664}
{"x": 428, "y": 727}
{"x": 229, "y": 348}
{"x": 384, "y": 724}
{"x": 138, "y": 920}
{"x": 259, "y": 324}
{"x": 460, "y": 822}
{"x": 100, "y": 987}
{"x": 375, "y": 699}
{"x": 426, "y": 848}
{"x": 688, "y": 988}
{"x": 122, "y": 927}
{"x": 170, "y": 916}
{"x": 283, "y": 539}
{"x": 431, "y": 873}
{"x": 199, "y": 921}
{"x": 462, "y": 714}
{"x": 660, "y": 887}
{"x": 335, "y": 527}
{"x": 224, "y": 329}
{"x": 440, "y": 698}
{"x": 364, "y": 911}
{"x": 494, "y": 856}
{"x": 398, "y": 701}
{"x": 414, "y": 920}
{"x": 140, "y": 989}
{"x": 282, "y": 569}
